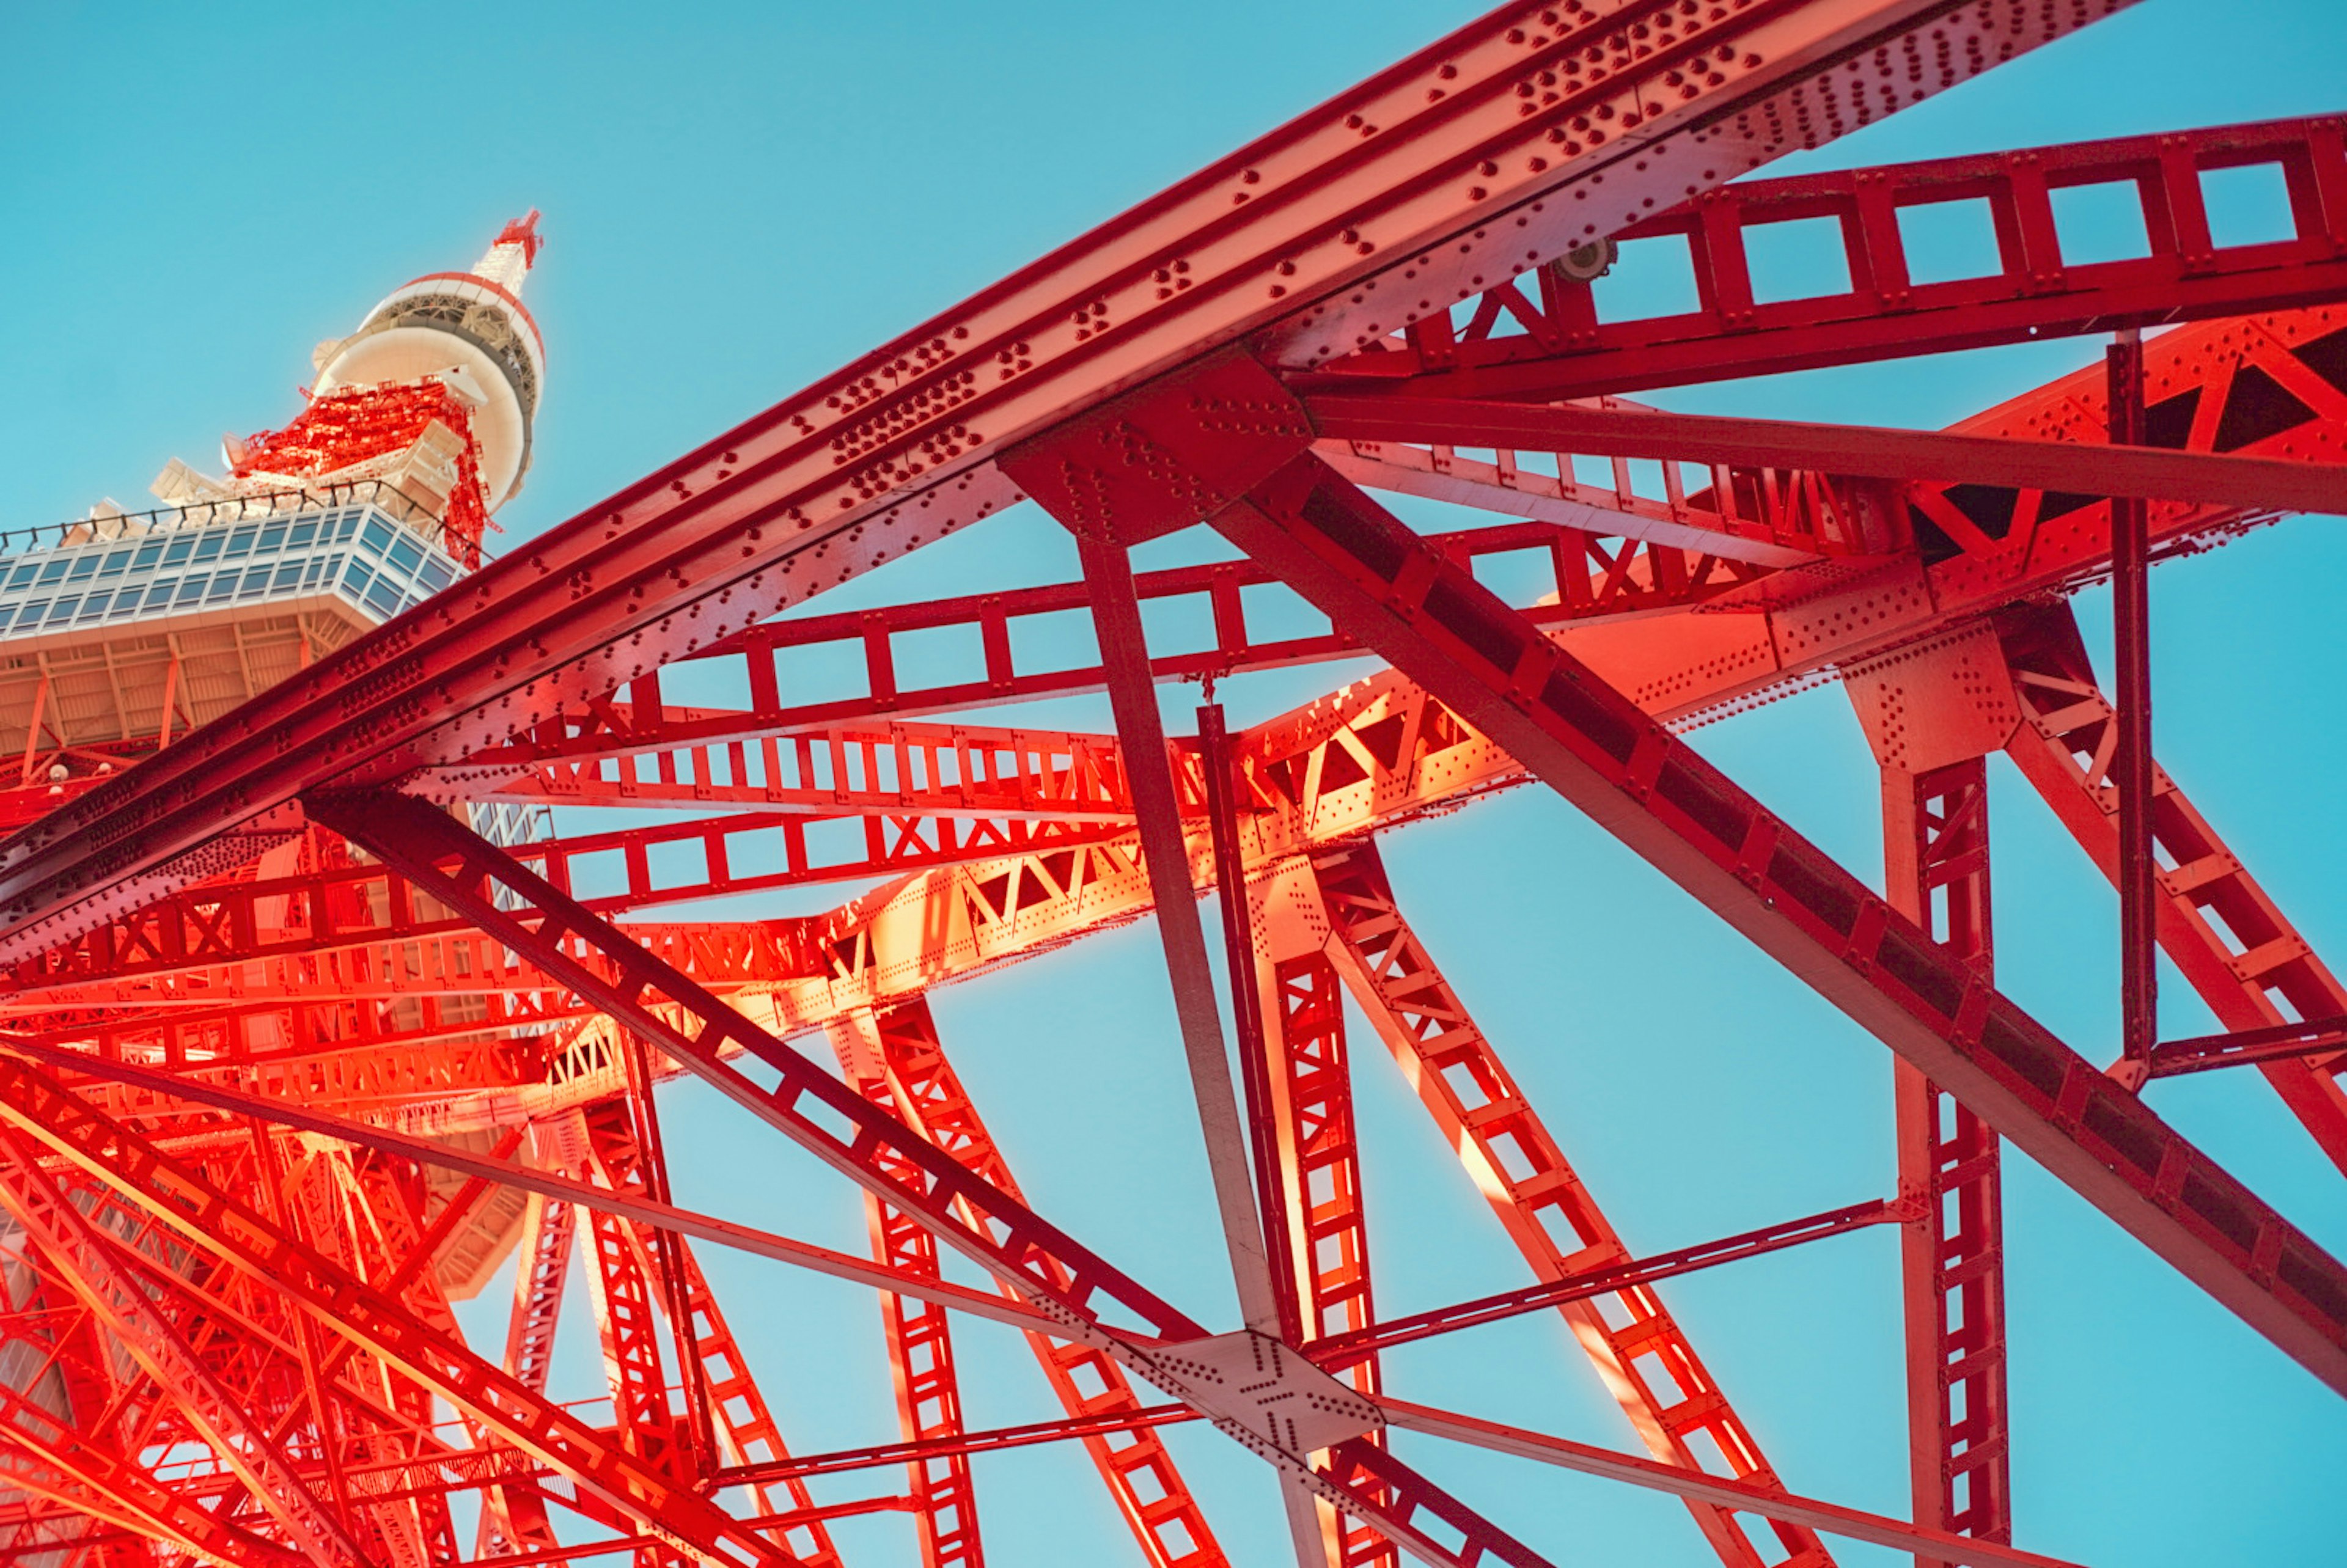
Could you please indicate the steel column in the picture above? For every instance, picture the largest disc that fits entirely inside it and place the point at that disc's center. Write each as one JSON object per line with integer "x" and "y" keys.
{"x": 1952, "y": 1253}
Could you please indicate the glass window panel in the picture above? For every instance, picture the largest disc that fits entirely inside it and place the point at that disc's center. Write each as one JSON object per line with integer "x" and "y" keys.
{"x": 116, "y": 563}
{"x": 435, "y": 575}
{"x": 95, "y": 605}
{"x": 378, "y": 538}
{"x": 160, "y": 594}
{"x": 222, "y": 586}
{"x": 240, "y": 543}
{"x": 271, "y": 537}
{"x": 407, "y": 555}
{"x": 192, "y": 589}
{"x": 355, "y": 580}
{"x": 23, "y": 574}
{"x": 208, "y": 548}
{"x": 303, "y": 532}
{"x": 66, "y": 607}
{"x": 289, "y": 576}
{"x": 7, "y": 613}
{"x": 177, "y": 552}
{"x": 54, "y": 570}
{"x": 32, "y": 613}
{"x": 385, "y": 596}
{"x": 83, "y": 569}
{"x": 147, "y": 556}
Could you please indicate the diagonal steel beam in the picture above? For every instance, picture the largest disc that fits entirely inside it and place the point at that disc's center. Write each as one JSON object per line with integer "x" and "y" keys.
{"x": 1640, "y": 783}
{"x": 881, "y": 1154}
{"x": 182, "y": 1198}
{"x": 557, "y": 1190}
{"x": 1934, "y": 1545}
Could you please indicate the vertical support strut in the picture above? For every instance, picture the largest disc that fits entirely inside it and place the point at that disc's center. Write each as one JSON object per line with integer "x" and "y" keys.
{"x": 1952, "y": 1254}
{"x": 1301, "y": 1000}
{"x": 1141, "y": 736}
{"x": 1264, "y": 1129}
{"x": 2131, "y": 623}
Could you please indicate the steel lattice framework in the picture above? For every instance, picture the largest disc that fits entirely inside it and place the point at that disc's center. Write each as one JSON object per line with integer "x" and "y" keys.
{"x": 284, "y": 1032}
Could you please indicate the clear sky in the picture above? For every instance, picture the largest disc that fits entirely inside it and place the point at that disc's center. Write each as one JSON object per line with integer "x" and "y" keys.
{"x": 740, "y": 198}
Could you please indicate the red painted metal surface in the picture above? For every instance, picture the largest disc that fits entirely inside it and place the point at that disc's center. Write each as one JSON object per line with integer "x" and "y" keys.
{"x": 289, "y": 1018}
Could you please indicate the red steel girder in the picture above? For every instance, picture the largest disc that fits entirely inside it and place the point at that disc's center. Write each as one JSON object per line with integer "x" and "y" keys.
{"x": 1716, "y": 1492}
{"x": 1645, "y": 1359}
{"x": 2316, "y": 1038}
{"x": 1337, "y": 1348}
{"x": 85, "y": 1254}
{"x": 1450, "y": 166}
{"x": 920, "y": 1353}
{"x": 1636, "y": 781}
{"x": 1166, "y": 1522}
{"x": 1554, "y": 346}
{"x": 2237, "y": 948}
{"x": 1952, "y": 1253}
{"x": 884, "y": 770}
{"x": 869, "y": 1147}
{"x": 553, "y": 1185}
{"x": 2272, "y": 387}
{"x": 2247, "y": 484}
{"x": 993, "y": 624}
{"x": 210, "y": 1217}
{"x": 723, "y": 1402}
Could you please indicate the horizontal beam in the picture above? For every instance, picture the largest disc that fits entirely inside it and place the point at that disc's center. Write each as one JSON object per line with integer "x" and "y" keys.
{"x": 1553, "y": 345}
{"x": 1342, "y": 1350}
{"x": 1932, "y": 1545}
{"x": 1847, "y": 450}
{"x": 986, "y": 1441}
{"x": 2317, "y": 1037}
{"x": 627, "y": 1205}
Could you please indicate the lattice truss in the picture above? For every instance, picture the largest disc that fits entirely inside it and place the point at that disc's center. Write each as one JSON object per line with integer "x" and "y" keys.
{"x": 296, "y": 1058}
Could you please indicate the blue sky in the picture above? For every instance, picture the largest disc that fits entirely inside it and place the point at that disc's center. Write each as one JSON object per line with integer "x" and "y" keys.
{"x": 737, "y": 199}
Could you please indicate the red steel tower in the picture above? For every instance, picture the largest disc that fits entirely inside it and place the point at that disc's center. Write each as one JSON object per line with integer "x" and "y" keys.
{"x": 311, "y": 1021}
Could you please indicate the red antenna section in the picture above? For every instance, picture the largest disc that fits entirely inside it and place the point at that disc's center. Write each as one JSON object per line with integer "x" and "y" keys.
{"x": 416, "y": 437}
{"x": 523, "y": 231}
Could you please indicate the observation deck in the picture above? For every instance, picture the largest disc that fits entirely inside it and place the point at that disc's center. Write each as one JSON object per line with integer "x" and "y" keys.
{"x": 109, "y": 623}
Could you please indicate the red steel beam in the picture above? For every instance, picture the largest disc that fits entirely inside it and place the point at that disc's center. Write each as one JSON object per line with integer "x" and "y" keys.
{"x": 1641, "y": 784}
{"x": 2131, "y": 623}
{"x": 1555, "y": 346}
{"x": 548, "y": 1184}
{"x": 1857, "y": 451}
{"x": 1435, "y": 172}
{"x": 1124, "y": 655}
{"x": 1951, "y": 1250}
{"x": 2234, "y": 946}
{"x": 1718, "y": 1491}
{"x": 989, "y": 1440}
{"x": 757, "y": 661}
{"x": 922, "y": 1355}
{"x": 1166, "y": 1522}
{"x": 1647, "y": 1362}
{"x": 210, "y": 1218}
{"x": 838, "y": 1126}
{"x": 2324, "y": 1037}
{"x": 1340, "y": 1348}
